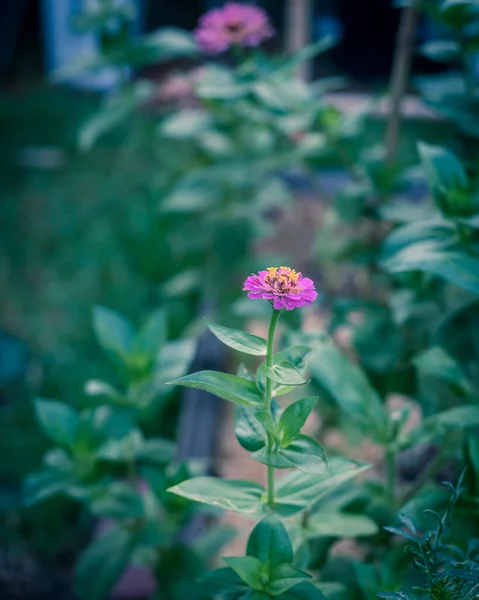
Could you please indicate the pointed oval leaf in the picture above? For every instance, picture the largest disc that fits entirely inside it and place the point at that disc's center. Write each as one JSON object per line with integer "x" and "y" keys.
{"x": 283, "y": 577}
{"x": 307, "y": 455}
{"x": 223, "y": 581}
{"x": 339, "y": 524}
{"x": 229, "y": 387}
{"x": 248, "y": 430}
{"x": 272, "y": 458}
{"x": 436, "y": 362}
{"x": 58, "y": 421}
{"x": 444, "y": 173}
{"x": 293, "y": 418}
{"x": 152, "y": 335}
{"x": 102, "y": 563}
{"x": 239, "y": 340}
{"x": 285, "y": 373}
{"x": 348, "y": 385}
{"x": 454, "y": 266}
{"x": 255, "y": 595}
{"x": 114, "y": 333}
{"x": 248, "y": 568}
{"x": 102, "y": 389}
{"x": 297, "y": 491}
{"x": 269, "y": 542}
{"x": 230, "y": 494}
{"x": 303, "y": 591}
{"x": 296, "y": 355}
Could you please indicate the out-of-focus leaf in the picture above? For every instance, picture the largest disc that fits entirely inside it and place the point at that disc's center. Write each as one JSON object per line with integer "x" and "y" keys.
{"x": 438, "y": 426}
{"x": 58, "y": 420}
{"x": 185, "y": 124}
{"x": 114, "y": 111}
{"x": 115, "y": 334}
{"x": 436, "y": 362}
{"x": 346, "y": 383}
{"x": 454, "y": 266}
{"x": 444, "y": 174}
{"x": 339, "y": 524}
{"x": 102, "y": 563}
{"x": 440, "y": 50}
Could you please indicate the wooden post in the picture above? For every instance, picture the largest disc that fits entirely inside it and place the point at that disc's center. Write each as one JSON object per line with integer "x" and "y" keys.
{"x": 400, "y": 77}
{"x": 297, "y": 27}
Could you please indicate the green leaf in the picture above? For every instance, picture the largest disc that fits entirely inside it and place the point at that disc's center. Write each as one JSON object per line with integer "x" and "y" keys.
{"x": 437, "y": 363}
{"x": 115, "y": 110}
{"x": 229, "y": 387}
{"x": 306, "y": 53}
{"x": 255, "y": 595}
{"x": 456, "y": 267}
{"x": 439, "y": 425}
{"x": 294, "y": 492}
{"x": 185, "y": 124}
{"x": 293, "y": 418}
{"x": 338, "y": 524}
{"x": 249, "y": 569}
{"x": 297, "y": 491}
{"x": 47, "y": 482}
{"x": 116, "y": 500}
{"x": 248, "y": 430}
{"x": 122, "y": 449}
{"x": 434, "y": 230}
{"x": 223, "y": 581}
{"x": 394, "y": 596}
{"x": 209, "y": 544}
{"x": 285, "y": 373}
{"x": 151, "y": 336}
{"x": 443, "y": 171}
{"x": 114, "y": 333}
{"x": 307, "y": 455}
{"x": 189, "y": 195}
{"x": 440, "y": 50}
{"x": 239, "y": 340}
{"x": 102, "y": 563}
{"x": 269, "y": 542}
{"x": 102, "y": 389}
{"x": 230, "y": 494}
{"x": 272, "y": 457}
{"x": 58, "y": 421}
{"x": 304, "y": 453}
{"x": 283, "y": 577}
{"x": 347, "y": 384}
{"x": 303, "y": 591}
{"x": 156, "y": 451}
{"x": 296, "y": 355}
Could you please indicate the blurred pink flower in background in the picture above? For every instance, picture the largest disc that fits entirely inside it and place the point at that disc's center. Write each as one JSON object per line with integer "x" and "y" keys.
{"x": 232, "y": 25}
{"x": 283, "y": 287}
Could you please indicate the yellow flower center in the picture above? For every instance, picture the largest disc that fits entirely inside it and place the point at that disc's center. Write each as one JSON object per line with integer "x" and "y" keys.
{"x": 282, "y": 279}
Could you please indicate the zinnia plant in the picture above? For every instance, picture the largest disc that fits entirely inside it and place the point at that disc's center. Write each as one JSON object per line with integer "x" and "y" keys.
{"x": 233, "y": 24}
{"x": 272, "y": 434}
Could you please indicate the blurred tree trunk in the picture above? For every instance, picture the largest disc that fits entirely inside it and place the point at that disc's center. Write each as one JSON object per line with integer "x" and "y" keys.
{"x": 297, "y": 27}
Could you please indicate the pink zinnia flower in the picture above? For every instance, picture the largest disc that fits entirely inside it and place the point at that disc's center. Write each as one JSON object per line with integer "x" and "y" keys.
{"x": 232, "y": 25}
{"x": 283, "y": 287}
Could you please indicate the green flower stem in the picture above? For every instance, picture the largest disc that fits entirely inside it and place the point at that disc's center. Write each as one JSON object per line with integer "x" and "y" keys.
{"x": 268, "y": 395}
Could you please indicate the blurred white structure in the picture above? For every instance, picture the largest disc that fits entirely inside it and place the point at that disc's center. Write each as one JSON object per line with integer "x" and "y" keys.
{"x": 63, "y": 46}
